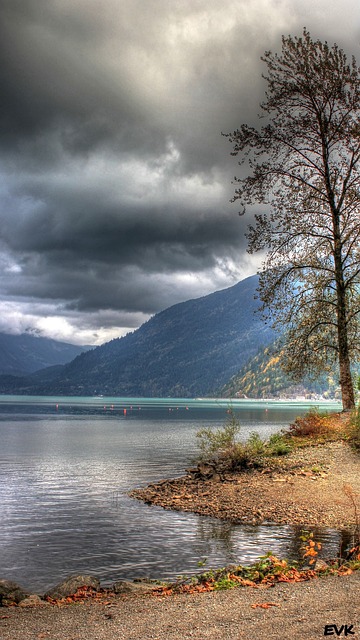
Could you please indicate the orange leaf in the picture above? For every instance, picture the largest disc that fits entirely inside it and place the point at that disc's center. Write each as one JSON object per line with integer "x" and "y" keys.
{"x": 243, "y": 581}
{"x": 264, "y": 605}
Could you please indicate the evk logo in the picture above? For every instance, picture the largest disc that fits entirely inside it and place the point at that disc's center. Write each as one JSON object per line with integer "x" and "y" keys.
{"x": 334, "y": 630}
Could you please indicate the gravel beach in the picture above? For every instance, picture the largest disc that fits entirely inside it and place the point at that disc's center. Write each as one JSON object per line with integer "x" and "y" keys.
{"x": 299, "y": 610}
{"x": 305, "y": 488}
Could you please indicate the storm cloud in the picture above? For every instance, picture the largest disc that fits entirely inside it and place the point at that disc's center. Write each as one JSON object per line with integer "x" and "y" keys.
{"x": 115, "y": 180}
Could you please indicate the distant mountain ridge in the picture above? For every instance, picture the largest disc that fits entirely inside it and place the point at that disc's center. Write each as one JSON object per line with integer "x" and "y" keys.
{"x": 24, "y": 354}
{"x": 189, "y": 349}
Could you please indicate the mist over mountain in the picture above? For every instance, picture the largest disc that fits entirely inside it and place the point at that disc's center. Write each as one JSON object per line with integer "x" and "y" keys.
{"x": 190, "y": 349}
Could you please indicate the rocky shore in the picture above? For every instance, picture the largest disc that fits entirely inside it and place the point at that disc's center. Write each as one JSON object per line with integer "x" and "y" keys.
{"x": 297, "y": 610}
{"x": 74, "y": 589}
{"x": 305, "y": 487}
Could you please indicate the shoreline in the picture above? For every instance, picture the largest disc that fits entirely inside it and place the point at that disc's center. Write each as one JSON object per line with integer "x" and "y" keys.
{"x": 305, "y": 487}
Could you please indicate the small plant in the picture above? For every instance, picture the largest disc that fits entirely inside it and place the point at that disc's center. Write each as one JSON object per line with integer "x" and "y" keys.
{"x": 316, "y": 469}
{"x": 310, "y": 548}
{"x": 202, "y": 563}
{"x": 213, "y": 442}
{"x": 268, "y": 565}
{"x": 225, "y": 582}
{"x": 255, "y": 445}
{"x": 278, "y": 445}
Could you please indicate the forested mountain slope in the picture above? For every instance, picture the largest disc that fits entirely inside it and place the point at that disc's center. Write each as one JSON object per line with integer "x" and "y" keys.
{"x": 23, "y": 354}
{"x": 189, "y": 349}
{"x": 263, "y": 377}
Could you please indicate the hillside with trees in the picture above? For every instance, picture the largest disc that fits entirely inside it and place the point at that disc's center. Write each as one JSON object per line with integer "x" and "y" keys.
{"x": 190, "y": 349}
{"x": 25, "y": 353}
{"x": 263, "y": 377}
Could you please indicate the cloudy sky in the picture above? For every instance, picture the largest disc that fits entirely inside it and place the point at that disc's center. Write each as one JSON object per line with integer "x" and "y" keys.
{"x": 115, "y": 180}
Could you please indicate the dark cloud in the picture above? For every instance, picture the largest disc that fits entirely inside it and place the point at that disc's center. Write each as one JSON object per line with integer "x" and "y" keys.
{"x": 115, "y": 180}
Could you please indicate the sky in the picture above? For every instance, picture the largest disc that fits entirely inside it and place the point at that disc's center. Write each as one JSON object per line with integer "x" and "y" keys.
{"x": 115, "y": 180}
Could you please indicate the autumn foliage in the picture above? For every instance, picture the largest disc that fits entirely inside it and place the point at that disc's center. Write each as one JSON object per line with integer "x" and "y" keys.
{"x": 264, "y": 574}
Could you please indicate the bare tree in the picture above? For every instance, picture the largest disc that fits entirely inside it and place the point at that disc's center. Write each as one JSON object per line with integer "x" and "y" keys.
{"x": 303, "y": 165}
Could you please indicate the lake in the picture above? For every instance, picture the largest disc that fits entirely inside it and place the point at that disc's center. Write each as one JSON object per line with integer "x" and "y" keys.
{"x": 66, "y": 465}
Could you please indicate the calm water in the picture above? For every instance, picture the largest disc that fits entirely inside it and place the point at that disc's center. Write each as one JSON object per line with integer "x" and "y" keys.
{"x": 67, "y": 464}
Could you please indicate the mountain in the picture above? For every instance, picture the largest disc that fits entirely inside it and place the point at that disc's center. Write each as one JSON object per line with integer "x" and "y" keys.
{"x": 262, "y": 377}
{"x": 190, "y": 349}
{"x": 24, "y": 354}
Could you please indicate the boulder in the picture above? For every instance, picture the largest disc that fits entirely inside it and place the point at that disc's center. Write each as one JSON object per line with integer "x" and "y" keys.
{"x": 33, "y": 601}
{"x": 207, "y": 471}
{"x": 11, "y": 593}
{"x": 127, "y": 586}
{"x": 69, "y": 586}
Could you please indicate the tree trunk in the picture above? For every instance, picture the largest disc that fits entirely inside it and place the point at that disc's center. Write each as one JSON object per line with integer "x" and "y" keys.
{"x": 346, "y": 383}
{"x": 347, "y": 389}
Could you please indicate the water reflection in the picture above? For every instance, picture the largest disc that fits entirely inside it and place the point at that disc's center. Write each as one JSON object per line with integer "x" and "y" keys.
{"x": 244, "y": 544}
{"x": 65, "y": 508}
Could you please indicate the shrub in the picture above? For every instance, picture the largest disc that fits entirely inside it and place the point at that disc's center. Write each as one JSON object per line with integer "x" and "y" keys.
{"x": 239, "y": 457}
{"x": 255, "y": 445}
{"x": 221, "y": 446}
{"x": 214, "y": 442}
{"x": 310, "y": 425}
{"x": 222, "y": 449}
{"x": 278, "y": 445}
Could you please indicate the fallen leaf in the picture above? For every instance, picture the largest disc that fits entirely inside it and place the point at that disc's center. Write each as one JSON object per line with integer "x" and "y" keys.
{"x": 264, "y": 605}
